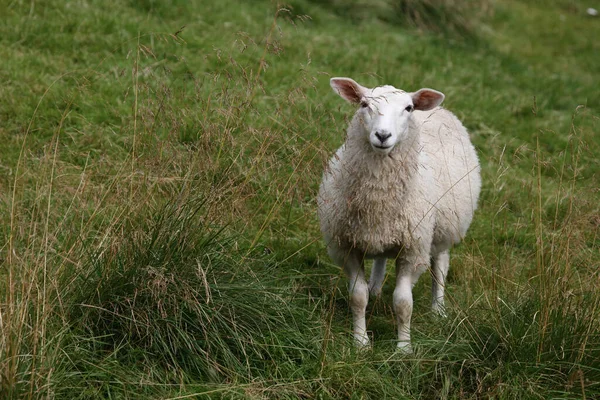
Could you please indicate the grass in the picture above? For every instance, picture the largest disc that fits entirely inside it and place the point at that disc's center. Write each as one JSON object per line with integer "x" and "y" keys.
{"x": 159, "y": 169}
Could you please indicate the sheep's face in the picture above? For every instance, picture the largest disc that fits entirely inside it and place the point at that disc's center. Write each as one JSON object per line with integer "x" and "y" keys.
{"x": 385, "y": 112}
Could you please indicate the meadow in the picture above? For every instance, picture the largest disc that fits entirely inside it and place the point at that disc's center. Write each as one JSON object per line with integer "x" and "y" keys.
{"x": 159, "y": 164}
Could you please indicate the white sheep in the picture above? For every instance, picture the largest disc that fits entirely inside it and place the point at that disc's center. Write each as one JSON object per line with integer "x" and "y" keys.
{"x": 403, "y": 186}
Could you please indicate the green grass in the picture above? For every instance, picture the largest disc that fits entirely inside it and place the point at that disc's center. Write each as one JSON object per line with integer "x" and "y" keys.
{"x": 159, "y": 166}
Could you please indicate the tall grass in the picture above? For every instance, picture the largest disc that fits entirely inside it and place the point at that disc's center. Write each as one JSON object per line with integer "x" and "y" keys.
{"x": 454, "y": 16}
{"x": 178, "y": 290}
{"x": 134, "y": 261}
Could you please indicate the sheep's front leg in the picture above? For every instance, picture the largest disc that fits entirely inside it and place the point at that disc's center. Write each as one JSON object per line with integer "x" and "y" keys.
{"x": 359, "y": 297}
{"x": 407, "y": 274}
{"x": 377, "y": 277}
{"x": 440, "y": 265}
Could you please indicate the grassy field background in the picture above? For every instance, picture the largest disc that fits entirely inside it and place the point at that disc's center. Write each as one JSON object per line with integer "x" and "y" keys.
{"x": 159, "y": 163}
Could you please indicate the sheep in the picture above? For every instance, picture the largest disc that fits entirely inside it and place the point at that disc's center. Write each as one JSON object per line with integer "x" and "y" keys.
{"x": 403, "y": 186}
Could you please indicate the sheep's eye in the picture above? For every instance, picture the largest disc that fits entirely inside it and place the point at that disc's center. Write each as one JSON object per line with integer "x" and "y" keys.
{"x": 364, "y": 104}
{"x": 409, "y": 108}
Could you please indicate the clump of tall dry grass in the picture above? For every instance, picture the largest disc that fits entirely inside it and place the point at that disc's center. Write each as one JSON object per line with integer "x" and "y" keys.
{"x": 441, "y": 16}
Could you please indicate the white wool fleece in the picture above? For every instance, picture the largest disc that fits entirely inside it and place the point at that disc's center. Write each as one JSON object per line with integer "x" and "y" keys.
{"x": 423, "y": 192}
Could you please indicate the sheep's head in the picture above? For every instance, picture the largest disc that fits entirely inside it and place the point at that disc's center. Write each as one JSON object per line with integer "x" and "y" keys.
{"x": 385, "y": 112}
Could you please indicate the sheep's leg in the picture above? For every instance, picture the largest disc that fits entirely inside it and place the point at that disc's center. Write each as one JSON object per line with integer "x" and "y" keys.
{"x": 407, "y": 274}
{"x": 377, "y": 277}
{"x": 359, "y": 297}
{"x": 403, "y": 306}
{"x": 440, "y": 265}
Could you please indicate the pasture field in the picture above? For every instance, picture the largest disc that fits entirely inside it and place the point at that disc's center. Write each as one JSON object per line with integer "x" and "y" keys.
{"x": 159, "y": 163}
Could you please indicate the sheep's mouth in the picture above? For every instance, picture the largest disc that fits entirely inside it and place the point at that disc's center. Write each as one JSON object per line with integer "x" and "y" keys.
{"x": 382, "y": 147}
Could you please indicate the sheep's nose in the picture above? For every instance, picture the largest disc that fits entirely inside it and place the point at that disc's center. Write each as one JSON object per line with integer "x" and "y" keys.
{"x": 382, "y": 136}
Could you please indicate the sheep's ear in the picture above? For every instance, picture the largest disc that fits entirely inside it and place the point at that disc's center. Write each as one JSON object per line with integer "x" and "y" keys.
{"x": 426, "y": 99}
{"x": 348, "y": 89}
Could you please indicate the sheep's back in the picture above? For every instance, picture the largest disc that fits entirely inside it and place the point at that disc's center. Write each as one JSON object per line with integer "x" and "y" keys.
{"x": 455, "y": 168}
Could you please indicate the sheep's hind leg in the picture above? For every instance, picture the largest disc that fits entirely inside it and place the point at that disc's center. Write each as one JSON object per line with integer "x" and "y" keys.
{"x": 359, "y": 297}
{"x": 439, "y": 271}
{"x": 377, "y": 277}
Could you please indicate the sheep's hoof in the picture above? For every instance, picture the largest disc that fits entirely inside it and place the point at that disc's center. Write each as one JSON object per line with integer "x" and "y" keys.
{"x": 439, "y": 310}
{"x": 404, "y": 348}
{"x": 375, "y": 290}
{"x": 362, "y": 342}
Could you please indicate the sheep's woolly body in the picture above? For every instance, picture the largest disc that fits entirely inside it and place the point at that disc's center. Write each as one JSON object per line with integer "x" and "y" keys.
{"x": 422, "y": 194}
